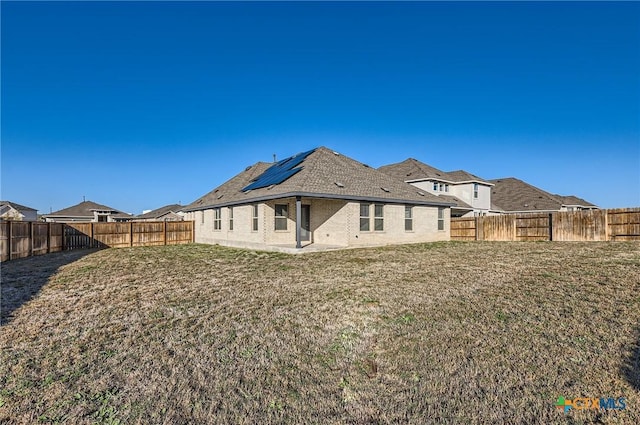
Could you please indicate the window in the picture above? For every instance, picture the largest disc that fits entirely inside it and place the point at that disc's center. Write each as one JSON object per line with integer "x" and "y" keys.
{"x": 202, "y": 217}
{"x": 102, "y": 218}
{"x": 475, "y": 191}
{"x": 435, "y": 186}
{"x": 254, "y": 218}
{"x": 446, "y": 187}
{"x": 282, "y": 214}
{"x": 440, "y": 218}
{"x": 364, "y": 217}
{"x": 230, "y": 209}
{"x": 441, "y": 187}
{"x": 378, "y": 217}
{"x": 217, "y": 219}
{"x": 408, "y": 218}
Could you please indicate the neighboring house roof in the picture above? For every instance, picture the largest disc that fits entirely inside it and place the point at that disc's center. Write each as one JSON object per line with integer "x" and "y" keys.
{"x": 159, "y": 212}
{"x": 86, "y": 209}
{"x": 411, "y": 169}
{"x": 511, "y": 194}
{"x": 323, "y": 174}
{"x": 574, "y": 200}
{"x": 494, "y": 207}
{"x": 17, "y": 206}
{"x": 460, "y": 176}
{"x": 457, "y": 201}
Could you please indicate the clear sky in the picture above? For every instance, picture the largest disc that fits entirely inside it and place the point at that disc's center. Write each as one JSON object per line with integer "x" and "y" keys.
{"x": 139, "y": 105}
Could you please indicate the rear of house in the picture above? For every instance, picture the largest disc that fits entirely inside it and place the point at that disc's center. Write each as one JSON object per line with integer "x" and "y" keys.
{"x": 318, "y": 198}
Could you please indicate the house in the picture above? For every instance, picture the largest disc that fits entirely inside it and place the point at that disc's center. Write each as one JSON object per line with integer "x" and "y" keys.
{"x": 470, "y": 194}
{"x": 511, "y": 195}
{"x": 171, "y": 212}
{"x": 87, "y": 211}
{"x": 317, "y": 199}
{"x": 16, "y": 212}
{"x": 573, "y": 203}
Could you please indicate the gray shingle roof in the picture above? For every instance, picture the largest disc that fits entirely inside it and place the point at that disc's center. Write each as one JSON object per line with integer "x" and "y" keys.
{"x": 325, "y": 174}
{"x": 85, "y": 209}
{"x": 158, "y": 212}
{"x": 457, "y": 201}
{"x": 574, "y": 200}
{"x": 511, "y": 194}
{"x": 464, "y": 176}
{"x": 412, "y": 169}
{"x": 17, "y": 206}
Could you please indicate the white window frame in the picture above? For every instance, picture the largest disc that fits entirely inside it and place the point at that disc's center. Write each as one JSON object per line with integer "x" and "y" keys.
{"x": 475, "y": 190}
{"x": 281, "y": 219}
{"x": 378, "y": 220}
{"x": 365, "y": 218}
{"x": 230, "y": 212}
{"x": 408, "y": 218}
{"x": 254, "y": 217}
{"x": 217, "y": 219}
{"x": 441, "y": 218}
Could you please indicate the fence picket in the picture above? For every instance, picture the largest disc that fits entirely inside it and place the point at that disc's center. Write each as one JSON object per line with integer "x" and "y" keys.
{"x": 588, "y": 225}
{"x": 22, "y": 239}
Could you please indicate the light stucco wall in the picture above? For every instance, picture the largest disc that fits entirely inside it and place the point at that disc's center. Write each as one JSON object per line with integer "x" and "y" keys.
{"x": 333, "y": 222}
{"x": 465, "y": 192}
{"x": 427, "y": 186}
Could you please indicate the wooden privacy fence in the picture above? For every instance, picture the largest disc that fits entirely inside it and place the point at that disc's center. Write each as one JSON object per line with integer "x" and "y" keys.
{"x": 588, "y": 225}
{"x": 20, "y": 239}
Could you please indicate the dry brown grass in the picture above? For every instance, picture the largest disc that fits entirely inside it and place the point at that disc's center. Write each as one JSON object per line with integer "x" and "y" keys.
{"x": 445, "y": 333}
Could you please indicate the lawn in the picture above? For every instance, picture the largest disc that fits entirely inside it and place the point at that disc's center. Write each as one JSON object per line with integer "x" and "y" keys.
{"x": 430, "y": 333}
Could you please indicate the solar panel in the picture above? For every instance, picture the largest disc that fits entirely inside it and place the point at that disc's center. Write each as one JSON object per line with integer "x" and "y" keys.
{"x": 279, "y": 172}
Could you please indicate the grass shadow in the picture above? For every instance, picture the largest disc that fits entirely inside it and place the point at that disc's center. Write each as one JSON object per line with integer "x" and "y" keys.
{"x": 631, "y": 369}
{"x": 23, "y": 278}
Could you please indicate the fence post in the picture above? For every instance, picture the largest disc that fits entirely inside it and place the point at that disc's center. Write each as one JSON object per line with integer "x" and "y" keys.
{"x": 550, "y": 226}
{"x": 30, "y": 238}
{"x": 607, "y": 235}
{"x": 10, "y": 234}
{"x": 164, "y": 231}
{"x": 131, "y": 233}
{"x": 48, "y": 238}
{"x": 475, "y": 226}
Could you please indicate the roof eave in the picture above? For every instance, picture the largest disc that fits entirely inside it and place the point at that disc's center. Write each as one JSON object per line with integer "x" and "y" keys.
{"x": 475, "y": 181}
{"x": 66, "y": 215}
{"x": 320, "y": 196}
{"x": 424, "y": 179}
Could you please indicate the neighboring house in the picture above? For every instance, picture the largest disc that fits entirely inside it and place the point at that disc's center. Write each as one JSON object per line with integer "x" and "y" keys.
{"x": 511, "y": 195}
{"x": 471, "y": 194}
{"x": 573, "y": 203}
{"x": 167, "y": 213}
{"x": 318, "y": 197}
{"x": 87, "y": 211}
{"x": 16, "y": 212}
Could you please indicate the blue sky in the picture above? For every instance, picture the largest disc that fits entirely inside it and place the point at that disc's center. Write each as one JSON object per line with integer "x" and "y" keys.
{"x": 138, "y": 105}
